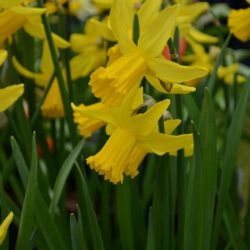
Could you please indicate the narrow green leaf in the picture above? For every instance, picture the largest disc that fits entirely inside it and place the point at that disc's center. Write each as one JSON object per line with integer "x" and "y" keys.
{"x": 124, "y": 215}
{"x": 209, "y": 171}
{"x": 63, "y": 175}
{"x": 26, "y": 220}
{"x": 232, "y": 142}
{"x": 48, "y": 226}
{"x": 74, "y": 230}
{"x": 83, "y": 244}
{"x": 89, "y": 215}
{"x": 192, "y": 108}
{"x": 191, "y": 235}
{"x": 59, "y": 76}
{"x": 20, "y": 162}
{"x": 150, "y": 235}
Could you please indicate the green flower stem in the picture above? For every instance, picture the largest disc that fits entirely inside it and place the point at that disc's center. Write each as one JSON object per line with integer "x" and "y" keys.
{"x": 65, "y": 53}
{"x": 65, "y": 98}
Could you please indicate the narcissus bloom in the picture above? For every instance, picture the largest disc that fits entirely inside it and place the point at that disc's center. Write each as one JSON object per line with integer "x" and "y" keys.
{"x": 189, "y": 12}
{"x": 9, "y": 94}
{"x": 239, "y": 22}
{"x": 87, "y": 125}
{"x": 52, "y": 106}
{"x": 16, "y": 16}
{"x": 4, "y": 226}
{"x": 112, "y": 83}
{"x": 132, "y": 136}
{"x": 92, "y": 52}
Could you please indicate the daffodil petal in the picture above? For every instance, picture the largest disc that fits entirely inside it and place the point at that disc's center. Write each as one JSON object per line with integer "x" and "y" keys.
{"x": 98, "y": 114}
{"x": 5, "y": 4}
{"x": 154, "y": 37}
{"x": 9, "y": 95}
{"x": 171, "y": 125}
{"x": 121, "y": 21}
{"x": 4, "y": 226}
{"x": 146, "y": 122}
{"x": 169, "y": 71}
{"x": 102, "y": 29}
{"x": 46, "y": 65}
{"x": 78, "y": 42}
{"x": 28, "y": 10}
{"x": 194, "y": 10}
{"x": 148, "y": 12}
{"x": 161, "y": 143}
{"x": 239, "y": 22}
{"x": 87, "y": 126}
{"x": 84, "y": 64}
{"x": 202, "y": 37}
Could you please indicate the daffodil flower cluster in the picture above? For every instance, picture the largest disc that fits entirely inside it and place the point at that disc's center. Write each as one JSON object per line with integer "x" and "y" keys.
{"x": 133, "y": 134}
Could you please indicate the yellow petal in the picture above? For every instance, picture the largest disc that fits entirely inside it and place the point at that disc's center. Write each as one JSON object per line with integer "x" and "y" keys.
{"x": 60, "y": 42}
{"x": 9, "y": 95}
{"x": 239, "y": 23}
{"x": 194, "y": 10}
{"x": 3, "y": 56}
{"x": 167, "y": 87}
{"x": 112, "y": 160}
{"x": 78, "y": 42}
{"x": 40, "y": 78}
{"x": 154, "y": 37}
{"x": 53, "y": 105}
{"x": 169, "y": 71}
{"x": 4, "y": 226}
{"x": 121, "y": 21}
{"x": 5, "y": 4}
{"x": 161, "y": 143}
{"x": 112, "y": 83}
{"x": 26, "y": 11}
{"x": 84, "y": 64}
{"x": 105, "y": 4}
{"x": 101, "y": 29}
{"x": 10, "y": 22}
{"x": 170, "y": 125}
{"x": 202, "y": 37}
{"x": 46, "y": 65}
{"x": 136, "y": 158}
{"x": 95, "y": 113}
{"x": 148, "y": 12}
{"x": 143, "y": 124}
{"x": 87, "y": 126}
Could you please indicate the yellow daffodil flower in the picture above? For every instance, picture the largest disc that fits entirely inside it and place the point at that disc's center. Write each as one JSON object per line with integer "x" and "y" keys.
{"x": 87, "y": 126}
{"x": 15, "y": 16}
{"x": 92, "y": 52}
{"x": 4, "y": 226}
{"x": 9, "y": 94}
{"x": 132, "y": 136}
{"x": 189, "y": 12}
{"x": 239, "y": 22}
{"x": 52, "y": 106}
{"x": 143, "y": 59}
